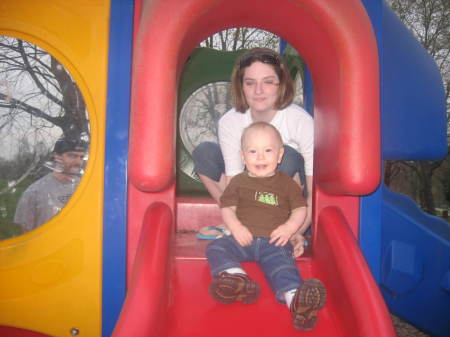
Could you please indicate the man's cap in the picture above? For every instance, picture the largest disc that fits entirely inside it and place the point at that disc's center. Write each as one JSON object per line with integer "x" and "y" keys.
{"x": 68, "y": 145}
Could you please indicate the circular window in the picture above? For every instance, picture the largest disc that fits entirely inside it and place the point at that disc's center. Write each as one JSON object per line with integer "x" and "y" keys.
{"x": 198, "y": 120}
{"x": 44, "y": 132}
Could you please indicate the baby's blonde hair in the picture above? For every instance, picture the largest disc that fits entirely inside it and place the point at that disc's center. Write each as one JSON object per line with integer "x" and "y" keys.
{"x": 261, "y": 126}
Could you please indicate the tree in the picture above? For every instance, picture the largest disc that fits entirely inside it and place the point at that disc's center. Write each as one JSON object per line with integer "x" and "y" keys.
{"x": 39, "y": 102}
{"x": 241, "y": 38}
{"x": 34, "y": 85}
{"x": 428, "y": 21}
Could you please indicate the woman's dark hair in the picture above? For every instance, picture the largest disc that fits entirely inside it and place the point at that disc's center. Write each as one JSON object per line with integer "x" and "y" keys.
{"x": 267, "y": 56}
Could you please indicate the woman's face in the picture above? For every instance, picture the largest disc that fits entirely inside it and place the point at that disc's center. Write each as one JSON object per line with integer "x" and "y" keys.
{"x": 260, "y": 84}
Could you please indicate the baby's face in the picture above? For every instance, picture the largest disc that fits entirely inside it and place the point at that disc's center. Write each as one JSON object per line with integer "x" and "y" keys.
{"x": 261, "y": 152}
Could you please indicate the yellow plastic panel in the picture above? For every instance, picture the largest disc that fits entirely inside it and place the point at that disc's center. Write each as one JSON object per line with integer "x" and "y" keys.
{"x": 50, "y": 278}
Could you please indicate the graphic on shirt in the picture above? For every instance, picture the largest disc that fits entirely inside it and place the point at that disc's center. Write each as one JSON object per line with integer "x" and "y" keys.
{"x": 266, "y": 198}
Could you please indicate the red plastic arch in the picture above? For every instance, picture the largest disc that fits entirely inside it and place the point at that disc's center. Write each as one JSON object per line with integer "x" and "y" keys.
{"x": 334, "y": 37}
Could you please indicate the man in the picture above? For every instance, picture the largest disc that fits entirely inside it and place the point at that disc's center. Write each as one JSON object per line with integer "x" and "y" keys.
{"x": 47, "y": 196}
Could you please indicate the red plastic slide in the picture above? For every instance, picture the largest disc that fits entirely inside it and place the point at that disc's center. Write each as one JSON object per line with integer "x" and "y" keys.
{"x": 168, "y": 295}
{"x": 167, "y": 292}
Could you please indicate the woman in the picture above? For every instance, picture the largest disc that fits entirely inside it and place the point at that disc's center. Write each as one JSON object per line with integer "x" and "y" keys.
{"x": 262, "y": 90}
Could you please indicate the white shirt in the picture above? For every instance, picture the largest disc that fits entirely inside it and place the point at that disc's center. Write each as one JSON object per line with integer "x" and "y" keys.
{"x": 295, "y": 125}
{"x": 42, "y": 200}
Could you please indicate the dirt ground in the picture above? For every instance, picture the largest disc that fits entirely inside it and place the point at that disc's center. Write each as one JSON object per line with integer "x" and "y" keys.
{"x": 406, "y": 330}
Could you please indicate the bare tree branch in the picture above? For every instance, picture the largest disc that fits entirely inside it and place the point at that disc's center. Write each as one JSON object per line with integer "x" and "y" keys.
{"x": 429, "y": 22}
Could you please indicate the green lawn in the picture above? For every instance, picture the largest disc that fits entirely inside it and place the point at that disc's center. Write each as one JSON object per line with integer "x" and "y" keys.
{"x": 8, "y": 202}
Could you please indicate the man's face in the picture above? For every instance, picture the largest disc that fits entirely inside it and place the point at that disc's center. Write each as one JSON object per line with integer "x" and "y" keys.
{"x": 71, "y": 162}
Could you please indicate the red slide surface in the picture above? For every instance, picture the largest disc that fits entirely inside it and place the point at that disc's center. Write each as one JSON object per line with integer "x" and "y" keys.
{"x": 168, "y": 294}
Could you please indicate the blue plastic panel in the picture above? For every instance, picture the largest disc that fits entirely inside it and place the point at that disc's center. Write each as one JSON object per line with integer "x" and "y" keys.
{"x": 414, "y": 125}
{"x": 116, "y": 155}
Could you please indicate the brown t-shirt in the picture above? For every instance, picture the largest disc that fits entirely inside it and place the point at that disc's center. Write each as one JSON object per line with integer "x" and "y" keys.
{"x": 262, "y": 204}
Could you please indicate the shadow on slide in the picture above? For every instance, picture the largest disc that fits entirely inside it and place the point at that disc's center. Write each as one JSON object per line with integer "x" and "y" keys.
{"x": 167, "y": 295}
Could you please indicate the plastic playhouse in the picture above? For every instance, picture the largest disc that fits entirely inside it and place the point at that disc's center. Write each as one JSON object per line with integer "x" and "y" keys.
{"x": 122, "y": 259}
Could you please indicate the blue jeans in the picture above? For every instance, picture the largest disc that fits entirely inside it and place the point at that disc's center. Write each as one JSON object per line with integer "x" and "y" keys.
{"x": 208, "y": 161}
{"x": 277, "y": 263}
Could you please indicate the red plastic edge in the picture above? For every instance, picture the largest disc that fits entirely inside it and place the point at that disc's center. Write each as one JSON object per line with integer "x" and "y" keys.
{"x": 348, "y": 278}
{"x": 144, "y": 312}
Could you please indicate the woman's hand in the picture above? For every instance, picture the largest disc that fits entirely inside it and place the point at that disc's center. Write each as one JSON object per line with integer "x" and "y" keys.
{"x": 298, "y": 243}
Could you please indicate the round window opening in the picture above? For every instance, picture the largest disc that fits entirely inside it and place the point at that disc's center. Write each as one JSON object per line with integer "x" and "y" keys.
{"x": 44, "y": 132}
{"x": 200, "y": 114}
{"x": 198, "y": 120}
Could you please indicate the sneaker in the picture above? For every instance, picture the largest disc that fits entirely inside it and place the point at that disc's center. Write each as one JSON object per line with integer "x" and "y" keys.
{"x": 308, "y": 300}
{"x": 228, "y": 288}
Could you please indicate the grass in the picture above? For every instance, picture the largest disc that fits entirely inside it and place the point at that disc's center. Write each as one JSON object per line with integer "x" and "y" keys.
{"x": 8, "y": 202}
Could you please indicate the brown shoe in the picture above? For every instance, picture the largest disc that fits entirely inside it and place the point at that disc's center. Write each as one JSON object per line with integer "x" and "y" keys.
{"x": 228, "y": 288}
{"x": 308, "y": 300}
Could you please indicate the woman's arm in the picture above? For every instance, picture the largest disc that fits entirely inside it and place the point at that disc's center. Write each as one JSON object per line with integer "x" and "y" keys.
{"x": 297, "y": 239}
{"x": 307, "y": 222}
{"x": 215, "y": 188}
{"x": 229, "y": 134}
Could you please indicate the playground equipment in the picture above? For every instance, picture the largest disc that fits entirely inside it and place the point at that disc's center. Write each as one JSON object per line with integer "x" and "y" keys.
{"x": 115, "y": 260}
